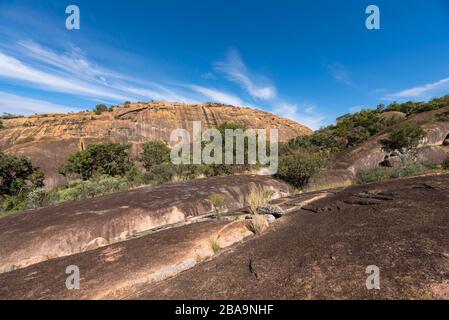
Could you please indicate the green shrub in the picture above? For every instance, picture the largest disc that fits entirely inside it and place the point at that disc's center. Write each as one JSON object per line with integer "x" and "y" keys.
{"x": 167, "y": 172}
{"x": 379, "y": 174}
{"x": 82, "y": 189}
{"x": 407, "y": 136}
{"x": 445, "y": 164}
{"x": 350, "y": 130}
{"x": 410, "y": 107}
{"x": 374, "y": 175}
{"x": 100, "y": 108}
{"x": 298, "y": 168}
{"x": 158, "y": 174}
{"x": 100, "y": 158}
{"x": 7, "y": 115}
{"x": 1, "y": 125}
{"x": 357, "y": 136}
{"x": 17, "y": 175}
{"x": 35, "y": 198}
{"x": 155, "y": 153}
{"x": 27, "y": 199}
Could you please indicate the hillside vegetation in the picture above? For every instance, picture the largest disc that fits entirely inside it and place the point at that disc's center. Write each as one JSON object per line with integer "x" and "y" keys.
{"x": 102, "y": 168}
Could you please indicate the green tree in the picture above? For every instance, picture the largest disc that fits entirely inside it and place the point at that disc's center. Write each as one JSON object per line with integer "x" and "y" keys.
{"x": 99, "y": 158}
{"x": 357, "y": 136}
{"x": 100, "y": 108}
{"x": 7, "y": 115}
{"x": 18, "y": 175}
{"x": 298, "y": 168}
{"x": 155, "y": 153}
{"x": 407, "y": 136}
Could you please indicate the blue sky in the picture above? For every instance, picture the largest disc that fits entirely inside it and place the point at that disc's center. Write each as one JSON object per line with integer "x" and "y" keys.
{"x": 310, "y": 61}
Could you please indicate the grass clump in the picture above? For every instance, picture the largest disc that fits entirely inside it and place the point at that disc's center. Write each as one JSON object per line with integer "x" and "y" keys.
{"x": 258, "y": 197}
{"x": 258, "y": 224}
{"x": 443, "y": 116}
{"x": 445, "y": 164}
{"x": 215, "y": 245}
{"x": 385, "y": 173}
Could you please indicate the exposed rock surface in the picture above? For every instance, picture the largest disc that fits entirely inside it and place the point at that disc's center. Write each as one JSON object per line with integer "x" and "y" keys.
{"x": 82, "y": 225}
{"x": 123, "y": 268}
{"x": 276, "y": 211}
{"x": 321, "y": 251}
{"x": 401, "y": 226}
{"x": 392, "y": 115}
{"x": 49, "y": 139}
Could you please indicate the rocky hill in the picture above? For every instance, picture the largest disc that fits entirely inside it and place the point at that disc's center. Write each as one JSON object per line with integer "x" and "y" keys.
{"x": 48, "y": 139}
{"x": 370, "y": 154}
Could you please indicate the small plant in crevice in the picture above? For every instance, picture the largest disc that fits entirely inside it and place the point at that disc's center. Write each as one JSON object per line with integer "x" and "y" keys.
{"x": 218, "y": 202}
{"x": 215, "y": 245}
{"x": 258, "y": 197}
{"x": 258, "y": 224}
{"x": 445, "y": 164}
{"x": 443, "y": 116}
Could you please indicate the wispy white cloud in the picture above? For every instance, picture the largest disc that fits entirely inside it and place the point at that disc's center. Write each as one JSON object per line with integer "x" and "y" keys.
{"x": 208, "y": 76}
{"x": 235, "y": 70}
{"x": 306, "y": 116}
{"x": 21, "y": 105}
{"x": 12, "y": 68}
{"x": 218, "y": 96}
{"x": 422, "y": 92}
{"x": 73, "y": 61}
{"x": 71, "y": 72}
{"x": 339, "y": 72}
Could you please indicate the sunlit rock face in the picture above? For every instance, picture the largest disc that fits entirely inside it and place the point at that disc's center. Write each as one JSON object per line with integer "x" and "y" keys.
{"x": 48, "y": 139}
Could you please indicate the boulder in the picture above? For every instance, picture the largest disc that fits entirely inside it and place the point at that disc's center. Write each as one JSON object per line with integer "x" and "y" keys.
{"x": 276, "y": 211}
{"x": 393, "y": 115}
{"x": 391, "y": 162}
{"x": 95, "y": 244}
{"x": 446, "y": 142}
{"x": 270, "y": 218}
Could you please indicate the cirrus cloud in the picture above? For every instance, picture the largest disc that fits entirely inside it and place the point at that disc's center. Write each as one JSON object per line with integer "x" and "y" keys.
{"x": 235, "y": 70}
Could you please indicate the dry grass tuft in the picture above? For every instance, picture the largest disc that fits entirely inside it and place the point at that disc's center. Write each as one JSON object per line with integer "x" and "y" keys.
{"x": 258, "y": 224}
{"x": 215, "y": 245}
{"x": 259, "y": 197}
